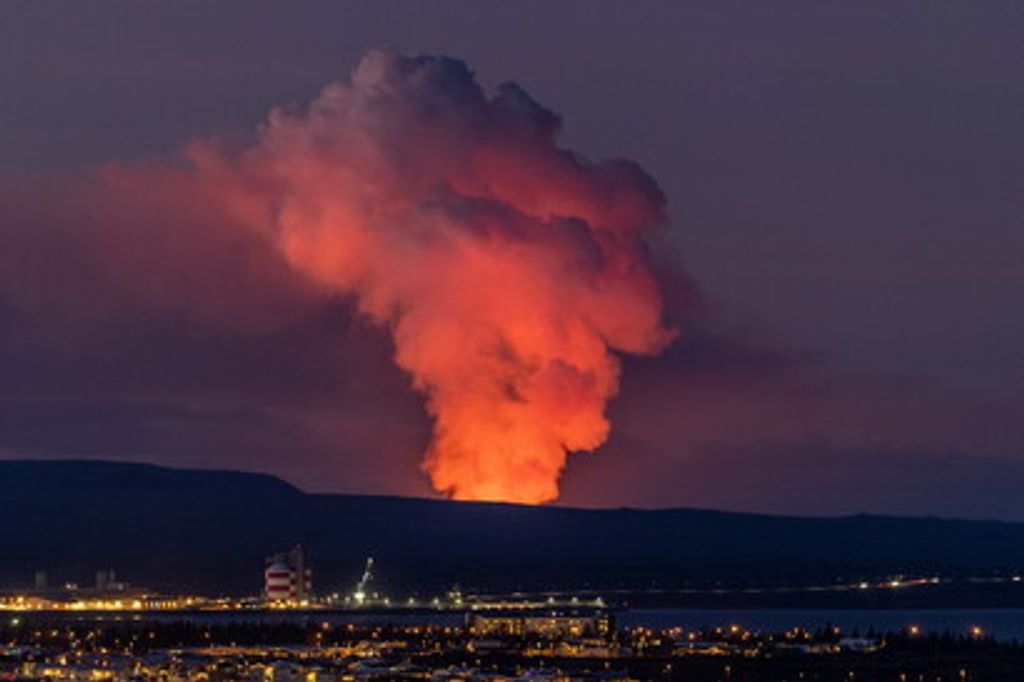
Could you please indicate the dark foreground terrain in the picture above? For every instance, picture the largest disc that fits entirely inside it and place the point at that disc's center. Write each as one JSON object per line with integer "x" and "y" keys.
{"x": 209, "y": 531}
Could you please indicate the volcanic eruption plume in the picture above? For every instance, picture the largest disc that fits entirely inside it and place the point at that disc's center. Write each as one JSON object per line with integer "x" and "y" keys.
{"x": 509, "y": 271}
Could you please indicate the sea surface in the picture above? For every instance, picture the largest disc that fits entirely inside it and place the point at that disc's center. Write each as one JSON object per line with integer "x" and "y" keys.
{"x": 1002, "y": 624}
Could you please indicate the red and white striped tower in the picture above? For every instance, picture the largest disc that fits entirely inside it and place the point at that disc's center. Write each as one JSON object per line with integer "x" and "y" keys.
{"x": 280, "y": 582}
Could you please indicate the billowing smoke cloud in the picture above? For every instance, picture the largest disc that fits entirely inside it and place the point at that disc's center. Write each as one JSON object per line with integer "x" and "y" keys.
{"x": 509, "y": 271}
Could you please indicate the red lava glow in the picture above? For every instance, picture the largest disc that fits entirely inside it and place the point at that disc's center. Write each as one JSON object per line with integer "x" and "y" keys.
{"x": 508, "y": 270}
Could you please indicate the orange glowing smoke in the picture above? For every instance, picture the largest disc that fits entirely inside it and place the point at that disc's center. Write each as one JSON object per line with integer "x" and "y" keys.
{"x": 508, "y": 270}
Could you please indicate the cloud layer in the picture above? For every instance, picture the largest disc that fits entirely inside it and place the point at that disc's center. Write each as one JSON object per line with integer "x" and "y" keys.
{"x": 192, "y": 311}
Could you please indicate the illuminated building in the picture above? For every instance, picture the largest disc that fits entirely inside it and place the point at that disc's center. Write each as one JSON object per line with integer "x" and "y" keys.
{"x": 286, "y": 577}
{"x": 553, "y": 625}
{"x": 279, "y": 582}
{"x": 106, "y": 581}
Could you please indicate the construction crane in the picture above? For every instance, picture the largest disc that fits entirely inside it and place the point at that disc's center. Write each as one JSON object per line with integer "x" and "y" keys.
{"x": 361, "y": 594}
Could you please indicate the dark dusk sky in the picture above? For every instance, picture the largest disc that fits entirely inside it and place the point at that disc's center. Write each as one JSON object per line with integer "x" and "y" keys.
{"x": 845, "y": 183}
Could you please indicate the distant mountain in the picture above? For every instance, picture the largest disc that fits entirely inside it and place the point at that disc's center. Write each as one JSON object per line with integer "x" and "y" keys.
{"x": 210, "y": 530}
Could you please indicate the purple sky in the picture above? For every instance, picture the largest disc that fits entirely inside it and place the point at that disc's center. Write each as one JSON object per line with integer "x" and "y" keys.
{"x": 846, "y": 186}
